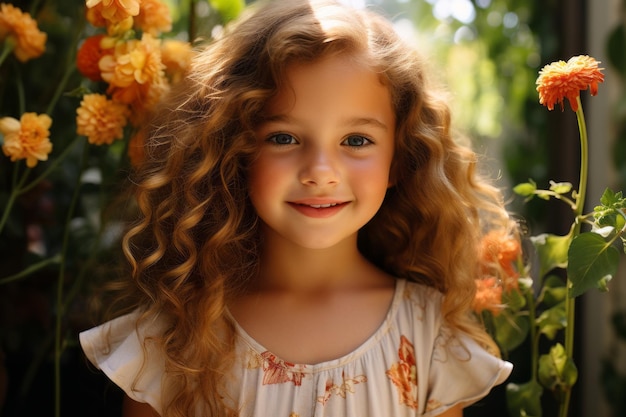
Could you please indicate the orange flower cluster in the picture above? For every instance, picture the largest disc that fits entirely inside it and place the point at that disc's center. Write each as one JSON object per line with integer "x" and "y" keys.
{"x": 21, "y": 30}
{"x": 498, "y": 253}
{"x": 562, "y": 80}
{"x": 137, "y": 71}
{"x": 27, "y": 138}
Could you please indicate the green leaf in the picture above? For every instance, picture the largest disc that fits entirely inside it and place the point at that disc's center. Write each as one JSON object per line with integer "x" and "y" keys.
{"x": 510, "y": 330}
{"x": 610, "y": 198}
{"x": 557, "y": 372}
{"x": 525, "y": 189}
{"x": 552, "y": 251}
{"x": 560, "y": 187}
{"x": 552, "y": 320}
{"x": 553, "y": 291}
{"x": 228, "y": 9}
{"x": 514, "y": 300}
{"x": 524, "y": 399}
{"x": 592, "y": 263}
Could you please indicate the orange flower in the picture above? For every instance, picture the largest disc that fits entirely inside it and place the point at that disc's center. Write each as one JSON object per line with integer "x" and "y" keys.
{"x": 115, "y": 11}
{"x": 100, "y": 119}
{"x": 88, "y": 56}
{"x": 560, "y": 80}
{"x": 488, "y": 296}
{"x": 20, "y": 28}
{"x": 154, "y": 17}
{"x": 27, "y": 138}
{"x": 135, "y": 72}
{"x": 499, "y": 252}
{"x": 176, "y": 56}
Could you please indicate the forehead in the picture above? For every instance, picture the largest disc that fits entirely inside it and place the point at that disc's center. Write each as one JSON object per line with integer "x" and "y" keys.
{"x": 337, "y": 83}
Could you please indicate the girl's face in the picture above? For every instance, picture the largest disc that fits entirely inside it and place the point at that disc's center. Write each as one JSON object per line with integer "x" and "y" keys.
{"x": 325, "y": 150}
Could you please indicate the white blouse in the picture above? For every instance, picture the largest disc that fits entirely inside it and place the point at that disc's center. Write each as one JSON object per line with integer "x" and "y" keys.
{"x": 413, "y": 365}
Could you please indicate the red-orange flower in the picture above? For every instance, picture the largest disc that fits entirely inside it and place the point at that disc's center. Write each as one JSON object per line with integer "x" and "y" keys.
{"x": 27, "y": 138}
{"x": 88, "y": 56}
{"x": 488, "y": 296}
{"x": 499, "y": 252}
{"x": 21, "y": 29}
{"x": 100, "y": 119}
{"x": 562, "y": 80}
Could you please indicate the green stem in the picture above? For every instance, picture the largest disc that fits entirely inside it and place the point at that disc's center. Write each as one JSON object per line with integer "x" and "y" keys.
{"x": 9, "y": 46}
{"x": 532, "y": 318}
{"x": 58, "y": 341}
{"x": 19, "y": 86}
{"x": 70, "y": 68}
{"x": 51, "y": 167}
{"x": 570, "y": 307}
{"x": 30, "y": 270}
{"x": 15, "y": 192}
{"x": 561, "y": 197}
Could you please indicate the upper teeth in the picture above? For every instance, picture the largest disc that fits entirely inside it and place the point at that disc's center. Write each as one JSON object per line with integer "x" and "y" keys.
{"x": 323, "y": 205}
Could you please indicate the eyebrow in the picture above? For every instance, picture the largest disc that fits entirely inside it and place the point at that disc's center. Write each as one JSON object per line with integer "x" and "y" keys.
{"x": 353, "y": 122}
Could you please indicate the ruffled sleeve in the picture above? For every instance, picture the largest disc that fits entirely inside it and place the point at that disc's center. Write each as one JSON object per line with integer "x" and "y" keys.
{"x": 461, "y": 371}
{"x": 116, "y": 347}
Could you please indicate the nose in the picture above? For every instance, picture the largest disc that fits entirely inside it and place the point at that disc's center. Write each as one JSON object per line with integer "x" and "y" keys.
{"x": 319, "y": 168}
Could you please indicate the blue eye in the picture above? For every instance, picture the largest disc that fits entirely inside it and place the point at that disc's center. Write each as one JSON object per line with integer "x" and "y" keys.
{"x": 282, "y": 139}
{"x": 356, "y": 140}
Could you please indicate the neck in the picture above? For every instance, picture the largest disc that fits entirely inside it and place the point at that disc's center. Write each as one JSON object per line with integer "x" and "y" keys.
{"x": 289, "y": 267}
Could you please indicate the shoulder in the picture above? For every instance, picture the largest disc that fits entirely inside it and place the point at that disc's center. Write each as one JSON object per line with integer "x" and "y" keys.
{"x": 419, "y": 299}
{"x": 127, "y": 353}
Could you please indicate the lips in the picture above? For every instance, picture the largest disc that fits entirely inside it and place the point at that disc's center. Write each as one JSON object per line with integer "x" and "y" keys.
{"x": 318, "y": 209}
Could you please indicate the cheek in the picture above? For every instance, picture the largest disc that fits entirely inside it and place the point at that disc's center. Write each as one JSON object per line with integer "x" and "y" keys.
{"x": 264, "y": 176}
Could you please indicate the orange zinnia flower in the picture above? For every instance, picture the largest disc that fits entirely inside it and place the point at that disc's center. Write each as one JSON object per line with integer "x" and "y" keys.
{"x": 27, "y": 138}
{"x": 488, "y": 296}
{"x": 560, "y": 80}
{"x": 21, "y": 29}
{"x": 100, "y": 119}
{"x": 88, "y": 56}
{"x": 115, "y": 11}
{"x": 154, "y": 17}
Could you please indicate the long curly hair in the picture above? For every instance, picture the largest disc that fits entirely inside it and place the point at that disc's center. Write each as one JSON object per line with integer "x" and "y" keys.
{"x": 195, "y": 245}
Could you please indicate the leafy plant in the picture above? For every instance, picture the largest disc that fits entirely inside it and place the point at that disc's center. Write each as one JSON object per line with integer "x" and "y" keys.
{"x": 542, "y": 305}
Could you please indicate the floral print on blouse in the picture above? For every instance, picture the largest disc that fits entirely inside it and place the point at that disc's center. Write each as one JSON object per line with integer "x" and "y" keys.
{"x": 413, "y": 365}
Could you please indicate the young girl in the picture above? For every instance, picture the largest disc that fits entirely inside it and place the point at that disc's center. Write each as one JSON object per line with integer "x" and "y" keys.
{"x": 307, "y": 244}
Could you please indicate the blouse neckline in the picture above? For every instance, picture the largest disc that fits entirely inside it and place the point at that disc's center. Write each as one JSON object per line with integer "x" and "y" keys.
{"x": 371, "y": 342}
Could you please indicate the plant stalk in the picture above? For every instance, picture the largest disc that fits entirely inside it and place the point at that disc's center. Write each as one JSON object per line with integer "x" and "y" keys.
{"x": 570, "y": 304}
{"x": 58, "y": 341}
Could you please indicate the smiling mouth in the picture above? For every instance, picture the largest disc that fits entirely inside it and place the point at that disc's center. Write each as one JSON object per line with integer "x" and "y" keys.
{"x": 320, "y": 205}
